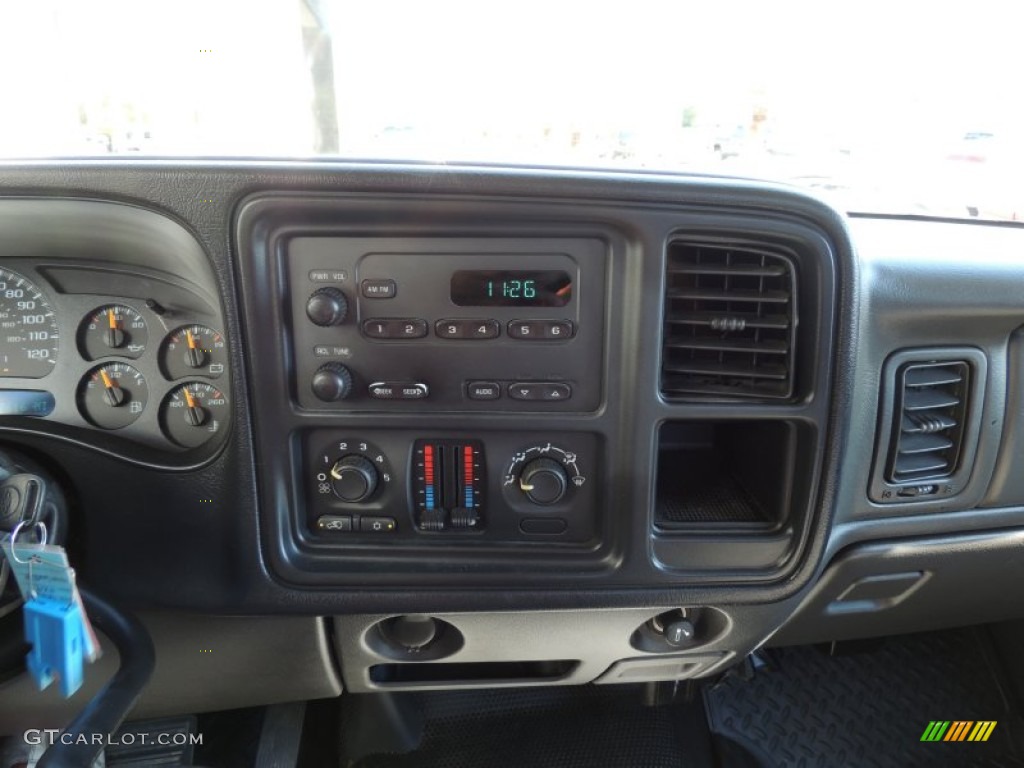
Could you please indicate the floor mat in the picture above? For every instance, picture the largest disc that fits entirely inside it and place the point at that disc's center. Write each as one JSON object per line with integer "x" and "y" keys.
{"x": 588, "y": 727}
{"x": 869, "y": 710}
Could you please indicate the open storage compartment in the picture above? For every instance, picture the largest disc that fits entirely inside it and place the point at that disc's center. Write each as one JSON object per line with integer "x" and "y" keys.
{"x": 466, "y": 674}
{"x": 733, "y": 475}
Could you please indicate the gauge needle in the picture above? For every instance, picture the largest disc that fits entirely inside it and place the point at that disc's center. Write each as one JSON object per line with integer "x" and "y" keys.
{"x": 194, "y": 357}
{"x": 115, "y": 337}
{"x": 194, "y": 414}
{"x": 114, "y": 395}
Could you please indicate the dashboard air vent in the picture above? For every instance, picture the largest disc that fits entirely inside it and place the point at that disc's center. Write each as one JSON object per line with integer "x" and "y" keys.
{"x": 930, "y": 417}
{"x": 730, "y": 322}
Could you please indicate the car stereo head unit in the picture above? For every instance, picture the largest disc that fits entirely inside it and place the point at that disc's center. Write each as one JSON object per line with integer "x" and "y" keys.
{"x": 492, "y": 324}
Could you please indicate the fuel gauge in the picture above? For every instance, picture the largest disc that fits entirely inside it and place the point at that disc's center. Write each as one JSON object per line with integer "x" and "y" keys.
{"x": 194, "y": 350}
{"x": 115, "y": 329}
{"x": 193, "y": 413}
{"x": 113, "y": 395}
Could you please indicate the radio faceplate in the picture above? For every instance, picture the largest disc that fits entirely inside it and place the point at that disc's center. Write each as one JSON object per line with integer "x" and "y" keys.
{"x": 453, "y": 324}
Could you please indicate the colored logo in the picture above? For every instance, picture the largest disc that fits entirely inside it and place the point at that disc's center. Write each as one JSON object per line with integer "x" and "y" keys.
{"x": 958, "y": 730}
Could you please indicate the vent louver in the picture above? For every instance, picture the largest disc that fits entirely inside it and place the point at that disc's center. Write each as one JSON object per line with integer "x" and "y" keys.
{"x": 730, "y": 321}
{"x": 930, "y": 416}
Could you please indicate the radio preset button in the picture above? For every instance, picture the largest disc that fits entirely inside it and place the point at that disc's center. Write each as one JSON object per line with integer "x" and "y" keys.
{"x": 483, "y": 390}
{"x": 378, "y": 289}
{"x": 467, "y": 328}
{"x": 398, "y": 390}
{"x": 395, "y": 328}
{"x": 541, "y": 330}
{"x": 484, "y": 329}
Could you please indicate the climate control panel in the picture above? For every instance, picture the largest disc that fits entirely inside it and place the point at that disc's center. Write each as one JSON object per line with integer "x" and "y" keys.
{"x": 404, "y": 487}
{"x": 488, "y": 324}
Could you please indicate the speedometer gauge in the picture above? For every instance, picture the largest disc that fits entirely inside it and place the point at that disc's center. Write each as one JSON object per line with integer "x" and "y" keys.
{"x": 28, "y": 329}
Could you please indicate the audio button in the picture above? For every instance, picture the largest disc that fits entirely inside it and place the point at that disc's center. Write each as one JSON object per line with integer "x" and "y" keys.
{"x": 483, "y": 390}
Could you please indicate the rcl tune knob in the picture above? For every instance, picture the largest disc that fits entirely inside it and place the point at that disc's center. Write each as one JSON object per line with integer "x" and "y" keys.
{"x": 354, "y": 478}
{"x": 544, "y": 481}
{"x": 327, "y": 306}
{"x": 332, "y": 381}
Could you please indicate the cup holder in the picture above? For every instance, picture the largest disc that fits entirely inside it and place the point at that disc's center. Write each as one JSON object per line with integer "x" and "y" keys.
{"x": 680, "y": 629}
{"x": 414, "y": 637}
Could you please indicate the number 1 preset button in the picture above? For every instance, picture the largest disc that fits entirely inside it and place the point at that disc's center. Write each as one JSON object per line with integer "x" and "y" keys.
{"x": 395, "y": 328}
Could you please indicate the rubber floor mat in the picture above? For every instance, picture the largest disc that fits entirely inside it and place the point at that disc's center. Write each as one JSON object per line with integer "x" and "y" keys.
{"x": 571, "y": 727}
{"x": 807, "y": 709}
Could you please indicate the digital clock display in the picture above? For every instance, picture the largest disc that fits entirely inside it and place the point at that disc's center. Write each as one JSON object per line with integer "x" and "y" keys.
{"x": 511, "y": 288}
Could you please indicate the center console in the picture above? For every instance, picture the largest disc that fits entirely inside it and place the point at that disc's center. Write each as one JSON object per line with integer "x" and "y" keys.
{"x": 466, "y": 392}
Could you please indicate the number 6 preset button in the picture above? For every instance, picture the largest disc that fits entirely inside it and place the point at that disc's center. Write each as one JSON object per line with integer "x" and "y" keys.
{"x": 541, "y": 330}
{"x": 395, "y": 328}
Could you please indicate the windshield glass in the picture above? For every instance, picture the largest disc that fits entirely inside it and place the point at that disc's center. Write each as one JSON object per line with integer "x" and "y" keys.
{"x": 896, "y": 107}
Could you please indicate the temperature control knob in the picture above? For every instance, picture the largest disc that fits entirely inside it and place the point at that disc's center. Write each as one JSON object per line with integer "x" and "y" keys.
{"x": 331, "y": 382}
{"x": 544, "y": 481}
{"x": 327, "y": 306}
{"x": 354, "y": 478}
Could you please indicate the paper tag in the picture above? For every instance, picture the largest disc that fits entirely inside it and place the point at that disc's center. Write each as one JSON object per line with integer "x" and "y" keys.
{"x": 42, "y": 571}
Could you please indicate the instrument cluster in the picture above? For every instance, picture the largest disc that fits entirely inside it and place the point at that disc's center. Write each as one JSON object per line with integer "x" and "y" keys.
{"x": 144, "y": 369}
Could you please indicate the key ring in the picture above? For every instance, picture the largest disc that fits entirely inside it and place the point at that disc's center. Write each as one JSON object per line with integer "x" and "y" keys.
{"x": 40, "y": 529}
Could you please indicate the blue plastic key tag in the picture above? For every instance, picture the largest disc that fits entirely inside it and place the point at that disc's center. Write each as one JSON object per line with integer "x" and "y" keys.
{"x": 55, "y": 621}
{"x": 56, "y": 632}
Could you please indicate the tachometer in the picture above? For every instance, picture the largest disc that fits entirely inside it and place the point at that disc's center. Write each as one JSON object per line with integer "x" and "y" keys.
{"x": 28, "y": 329}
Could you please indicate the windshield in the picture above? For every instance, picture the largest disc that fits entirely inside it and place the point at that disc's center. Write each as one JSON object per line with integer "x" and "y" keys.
{"x": 896, "y": 107}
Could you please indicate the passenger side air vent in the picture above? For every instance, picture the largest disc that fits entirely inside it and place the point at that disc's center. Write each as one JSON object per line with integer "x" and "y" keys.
{"x": 929, "y": 424}
{"x": 930, "y": 416}
{"x": 730, "y": 322}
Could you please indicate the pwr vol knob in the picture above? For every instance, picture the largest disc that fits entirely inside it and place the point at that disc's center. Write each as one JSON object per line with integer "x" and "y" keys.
{"x": 327, "y": 306}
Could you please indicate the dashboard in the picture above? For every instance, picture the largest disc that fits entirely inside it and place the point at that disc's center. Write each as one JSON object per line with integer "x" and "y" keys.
{"x": 450, "y": 427}
{"x": 105, "y": 338}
